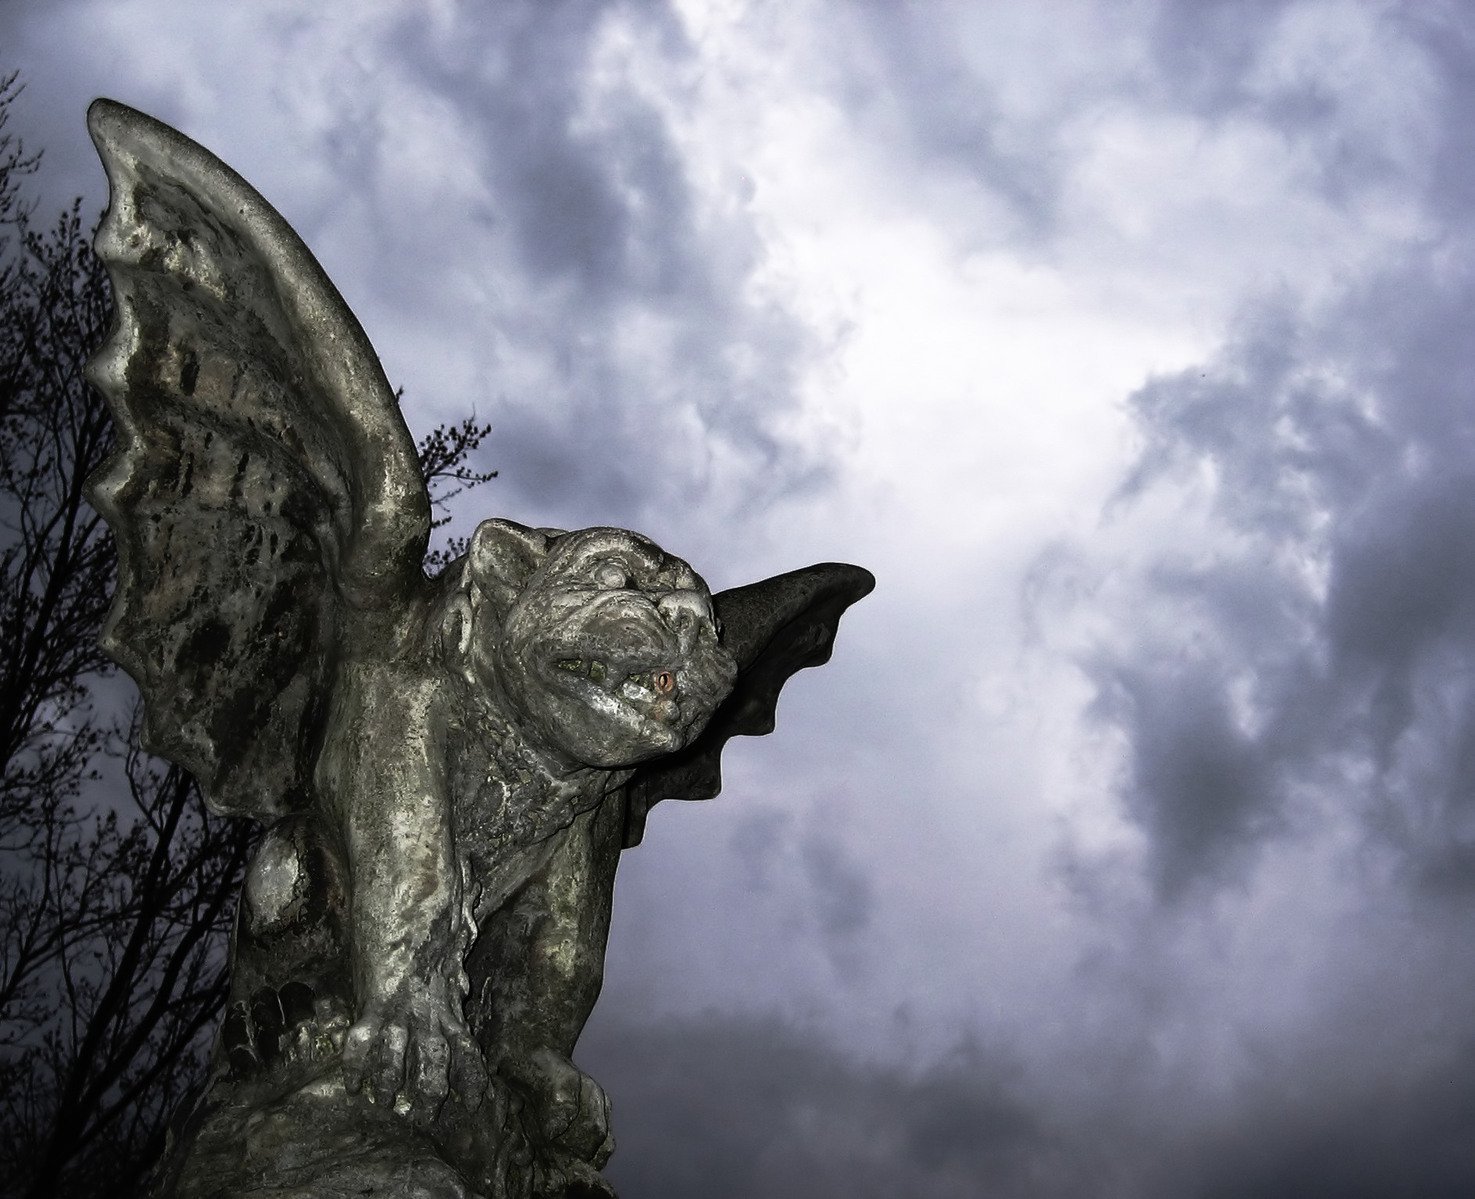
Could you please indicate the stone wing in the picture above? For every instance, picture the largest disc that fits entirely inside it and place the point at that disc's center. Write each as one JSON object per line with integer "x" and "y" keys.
{"x": 774, "y": 629}
{"x": 263, "y": 489}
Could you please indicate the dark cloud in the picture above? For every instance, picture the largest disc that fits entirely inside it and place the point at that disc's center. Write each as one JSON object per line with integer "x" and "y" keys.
{"x": 734, "y": 1107}
{"x": 1450, "y": 42}
{"x": 659, "y": 384}
{"x": 1199, "y": 786}
{"x": 842, "y": 891}
{"x": 601, "y": 204}
{"x": 1218, "y": 59}
{"x": 828, "y": 887}
{"x": 50, "y": 114}
{"x": 1389, "y": 1136}
{"x": 1315, "y": 634}
{"x": 906, "y": 75}
{"x": 590, "y": 194}
{"x": 1310, "y": 637}
{"x": 1204, "y": 49}
{"x": 757, "y": 839}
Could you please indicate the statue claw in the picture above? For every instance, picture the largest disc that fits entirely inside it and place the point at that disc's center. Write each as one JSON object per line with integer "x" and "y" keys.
{"x": 413, "y": 1060}
{"x": 571, "y": 1108}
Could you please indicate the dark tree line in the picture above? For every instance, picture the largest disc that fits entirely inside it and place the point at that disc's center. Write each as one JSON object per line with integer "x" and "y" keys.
{"x": 117, "y": 887}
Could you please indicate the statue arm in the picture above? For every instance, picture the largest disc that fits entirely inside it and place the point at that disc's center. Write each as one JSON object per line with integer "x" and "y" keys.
{"x": 381, "y": 770}
{"x": 566, "y": 906}
{"x": 546, "y": 967}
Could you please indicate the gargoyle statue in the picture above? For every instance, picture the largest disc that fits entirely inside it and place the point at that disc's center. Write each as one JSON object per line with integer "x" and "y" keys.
{"x": 446, "y": 769}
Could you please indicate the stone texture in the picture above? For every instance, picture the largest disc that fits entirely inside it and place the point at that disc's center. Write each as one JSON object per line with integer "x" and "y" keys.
{"x": 447, "y": 770}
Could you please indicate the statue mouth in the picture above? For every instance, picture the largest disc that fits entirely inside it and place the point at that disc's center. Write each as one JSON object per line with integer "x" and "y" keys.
{"x": 648, "y": 692}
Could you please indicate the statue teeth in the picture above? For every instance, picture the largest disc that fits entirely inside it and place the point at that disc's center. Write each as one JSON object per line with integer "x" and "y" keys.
{"x": 591, "y": 668}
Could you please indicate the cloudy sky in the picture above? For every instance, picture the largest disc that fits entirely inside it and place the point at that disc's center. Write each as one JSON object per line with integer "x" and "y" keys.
{"x": 1127, "y": 846}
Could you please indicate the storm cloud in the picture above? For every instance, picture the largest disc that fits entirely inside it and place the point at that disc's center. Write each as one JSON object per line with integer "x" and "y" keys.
{"x": 1127, "y": 845}
{"x": 1315, "y": 629}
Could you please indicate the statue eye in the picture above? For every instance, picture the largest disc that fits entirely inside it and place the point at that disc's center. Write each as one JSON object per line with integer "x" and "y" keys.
{"x": 610, "y": 576}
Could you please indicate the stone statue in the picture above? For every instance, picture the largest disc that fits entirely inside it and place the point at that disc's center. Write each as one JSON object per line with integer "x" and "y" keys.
{"x": 447, "y": 769}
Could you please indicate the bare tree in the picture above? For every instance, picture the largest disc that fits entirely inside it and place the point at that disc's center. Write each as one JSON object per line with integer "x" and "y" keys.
{"x": 117, "y": 886}
{"x": 15, "y": 164}
{"x": 56, "y": 568}
{"x": 126, "y": 1042}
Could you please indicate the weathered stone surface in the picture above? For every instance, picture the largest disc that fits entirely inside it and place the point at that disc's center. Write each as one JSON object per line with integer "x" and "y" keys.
{"x": 447, "y": 770}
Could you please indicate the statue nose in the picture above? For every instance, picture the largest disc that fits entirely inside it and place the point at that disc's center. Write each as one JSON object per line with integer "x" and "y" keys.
{"x": 683, "y": 610}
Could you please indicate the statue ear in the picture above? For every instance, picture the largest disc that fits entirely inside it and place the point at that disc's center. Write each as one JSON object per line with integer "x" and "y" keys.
{"x": 503, "y": 557}
{"x": 773, "y": 629}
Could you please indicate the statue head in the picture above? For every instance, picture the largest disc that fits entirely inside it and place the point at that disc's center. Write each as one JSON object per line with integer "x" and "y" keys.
{"x": 603, "y": 648}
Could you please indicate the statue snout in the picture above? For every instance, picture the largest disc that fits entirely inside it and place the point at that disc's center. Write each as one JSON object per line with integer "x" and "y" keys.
{"x": 683, "y": 611}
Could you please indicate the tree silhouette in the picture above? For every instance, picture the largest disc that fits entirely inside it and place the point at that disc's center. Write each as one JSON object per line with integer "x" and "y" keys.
{"x": 117, "y": 886}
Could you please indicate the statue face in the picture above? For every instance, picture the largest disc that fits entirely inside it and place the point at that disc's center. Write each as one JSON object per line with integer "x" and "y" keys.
{"x": 610, "y": 654}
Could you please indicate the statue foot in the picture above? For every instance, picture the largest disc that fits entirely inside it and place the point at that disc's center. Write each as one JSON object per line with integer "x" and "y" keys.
{"x": 568, "y": 1110}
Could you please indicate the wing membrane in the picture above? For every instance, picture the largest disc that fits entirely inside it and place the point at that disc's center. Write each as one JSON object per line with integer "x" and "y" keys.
{"x": 774, "y": 628}
{"x": 263, "y": 489}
